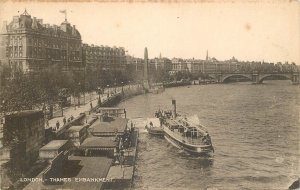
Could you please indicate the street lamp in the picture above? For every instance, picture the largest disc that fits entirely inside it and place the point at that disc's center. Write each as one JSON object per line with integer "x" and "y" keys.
{"x": 115, "y": 85}
{"x": 122, "y": 88}
{"x": 99, "y": 92}
{"x": 107, "y": 90}
{"x": 79, "y": 88}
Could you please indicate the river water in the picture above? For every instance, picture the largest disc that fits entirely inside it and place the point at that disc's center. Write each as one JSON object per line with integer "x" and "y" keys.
{"x": 254, "y": 130}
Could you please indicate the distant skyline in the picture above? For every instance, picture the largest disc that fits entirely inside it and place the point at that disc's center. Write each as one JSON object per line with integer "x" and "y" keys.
{"x": 254, "y": 31}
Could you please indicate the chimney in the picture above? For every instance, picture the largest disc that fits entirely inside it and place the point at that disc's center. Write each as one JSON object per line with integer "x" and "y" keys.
{"x": 34, "y": 23}
{"x": 174, "y": 108}
{"x": 40, "y": 21}
{"x": 4, "y": 27}
{"x": 73, "y": 30}
{"x": 15, "y": 18}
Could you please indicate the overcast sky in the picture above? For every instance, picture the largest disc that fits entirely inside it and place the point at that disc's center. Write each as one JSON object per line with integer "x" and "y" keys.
{"x": 248, "y": 31}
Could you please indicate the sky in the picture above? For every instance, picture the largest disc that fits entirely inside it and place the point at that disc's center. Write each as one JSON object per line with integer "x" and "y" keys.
{"x": 253, "y": 31}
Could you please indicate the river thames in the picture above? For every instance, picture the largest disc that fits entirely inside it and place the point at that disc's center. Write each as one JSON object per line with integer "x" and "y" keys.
{"x": 254, "y": 130}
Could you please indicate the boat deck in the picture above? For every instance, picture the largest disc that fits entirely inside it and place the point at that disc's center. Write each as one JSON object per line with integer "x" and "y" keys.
{"x": 180, "y": 136}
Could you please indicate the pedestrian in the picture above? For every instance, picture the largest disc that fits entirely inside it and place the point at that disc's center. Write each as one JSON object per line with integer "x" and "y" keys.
{"x": 131, "y": 127}
{"x": 65, "y": 120}
{"x": 57, "y": 124}
{"x": 91, "y": 104}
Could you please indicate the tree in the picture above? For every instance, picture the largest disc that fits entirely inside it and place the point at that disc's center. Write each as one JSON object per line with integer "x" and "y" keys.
{"x": 21, "y": 93}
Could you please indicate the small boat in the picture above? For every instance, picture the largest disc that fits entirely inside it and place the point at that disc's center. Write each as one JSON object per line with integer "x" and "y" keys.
{"x": 185, "y": 133}
{"x": 153, "y": 127}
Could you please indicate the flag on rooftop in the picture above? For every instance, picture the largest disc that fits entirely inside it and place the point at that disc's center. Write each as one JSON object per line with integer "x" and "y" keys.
{"x": 63, "y": 11}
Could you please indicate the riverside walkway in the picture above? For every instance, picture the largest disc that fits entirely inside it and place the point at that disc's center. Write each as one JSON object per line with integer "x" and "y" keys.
{"x": 75, "y": 111}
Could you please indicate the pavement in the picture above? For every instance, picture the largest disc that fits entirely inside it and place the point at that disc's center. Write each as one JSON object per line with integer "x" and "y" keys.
{"x": 75, "y": 111}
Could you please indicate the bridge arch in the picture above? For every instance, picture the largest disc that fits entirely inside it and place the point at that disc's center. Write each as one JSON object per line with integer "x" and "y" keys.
{"x": 263, "y": 77}
{"x": 236, "y": 75}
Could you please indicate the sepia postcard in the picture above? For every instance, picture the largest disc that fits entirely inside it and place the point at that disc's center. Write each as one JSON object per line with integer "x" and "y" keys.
{"x": 169, "y": 94}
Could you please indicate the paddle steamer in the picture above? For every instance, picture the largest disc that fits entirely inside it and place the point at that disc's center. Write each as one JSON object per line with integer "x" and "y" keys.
{"x": 185, "y": 132}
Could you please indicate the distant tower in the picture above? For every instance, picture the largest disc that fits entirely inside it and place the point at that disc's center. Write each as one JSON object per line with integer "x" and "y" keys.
{"x": 159, "y": 55}
{"x": 206, "y": 55}
{"x": 146, "y": 67}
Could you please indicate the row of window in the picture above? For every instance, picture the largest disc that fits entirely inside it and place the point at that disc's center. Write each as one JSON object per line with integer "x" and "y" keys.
{"x": 18, "y": 40}
{"x": 105, "y": 53}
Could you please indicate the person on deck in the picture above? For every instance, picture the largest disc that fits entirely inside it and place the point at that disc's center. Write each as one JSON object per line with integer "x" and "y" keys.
{"x": 151, "y": 124}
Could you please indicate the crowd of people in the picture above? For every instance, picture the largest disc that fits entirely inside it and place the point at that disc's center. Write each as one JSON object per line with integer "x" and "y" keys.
{"x": 57, "y": 125}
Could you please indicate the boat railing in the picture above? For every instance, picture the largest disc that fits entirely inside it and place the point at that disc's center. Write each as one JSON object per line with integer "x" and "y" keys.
{"x": 190, "y": 139}
{"x": 197, "y": 126}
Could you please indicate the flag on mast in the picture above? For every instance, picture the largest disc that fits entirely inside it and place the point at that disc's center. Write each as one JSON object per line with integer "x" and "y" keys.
{"x": 64, "y": 12}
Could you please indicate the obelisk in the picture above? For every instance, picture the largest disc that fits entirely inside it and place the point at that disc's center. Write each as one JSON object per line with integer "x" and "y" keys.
{"x": 146, "y": 67}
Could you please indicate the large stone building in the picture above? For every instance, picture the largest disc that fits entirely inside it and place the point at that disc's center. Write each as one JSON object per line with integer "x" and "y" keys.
{"x": 160, "y": 64}
{"x": 27, "y": 44}
{"x": 104, "y": 57}
{"x": 179, "y": 65}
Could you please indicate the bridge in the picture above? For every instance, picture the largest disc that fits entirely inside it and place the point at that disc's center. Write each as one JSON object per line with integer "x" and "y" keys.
{"x": 256, "y": 77}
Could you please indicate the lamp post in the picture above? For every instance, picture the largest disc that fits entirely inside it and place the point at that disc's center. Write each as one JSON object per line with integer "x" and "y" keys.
{"x": 79, "y": 88}
{"x": 99, "y": 93}
{"x": 107, "y": 90}
{"x": 115, "y": 85}
{"x": 122, "y": 90}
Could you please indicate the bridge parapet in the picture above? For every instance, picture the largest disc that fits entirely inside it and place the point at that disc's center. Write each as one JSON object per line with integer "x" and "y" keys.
{"x": 256, "y": 77}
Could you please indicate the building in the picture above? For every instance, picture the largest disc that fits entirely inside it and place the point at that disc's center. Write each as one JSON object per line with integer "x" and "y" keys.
{"x": 179, "y": 65}
{"x": 24, "y": 134}
{"x": 26, "y": 44}
{"x": 134, "y": 64}
{"x": 160, "y": 64}
{"x": 134, "y": 68}
{"x": 104, "y": 57}
{"x": 77, "y": 134}
{"x": 53, "y": 148}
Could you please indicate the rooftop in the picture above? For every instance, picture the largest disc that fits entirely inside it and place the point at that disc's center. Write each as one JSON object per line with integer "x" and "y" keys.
{"x": 113, "y": 124}
{"x": 81, "y": 168}
{"x": 76, "y": 128}
{"x": 54, "y": 145}
{"x": 99, "y": 142}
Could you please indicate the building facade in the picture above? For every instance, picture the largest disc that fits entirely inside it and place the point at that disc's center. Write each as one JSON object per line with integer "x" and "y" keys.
{"x": 179, "y": 65}
{"x": 104, "y": 57}
{"x": 26, "y": 44}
